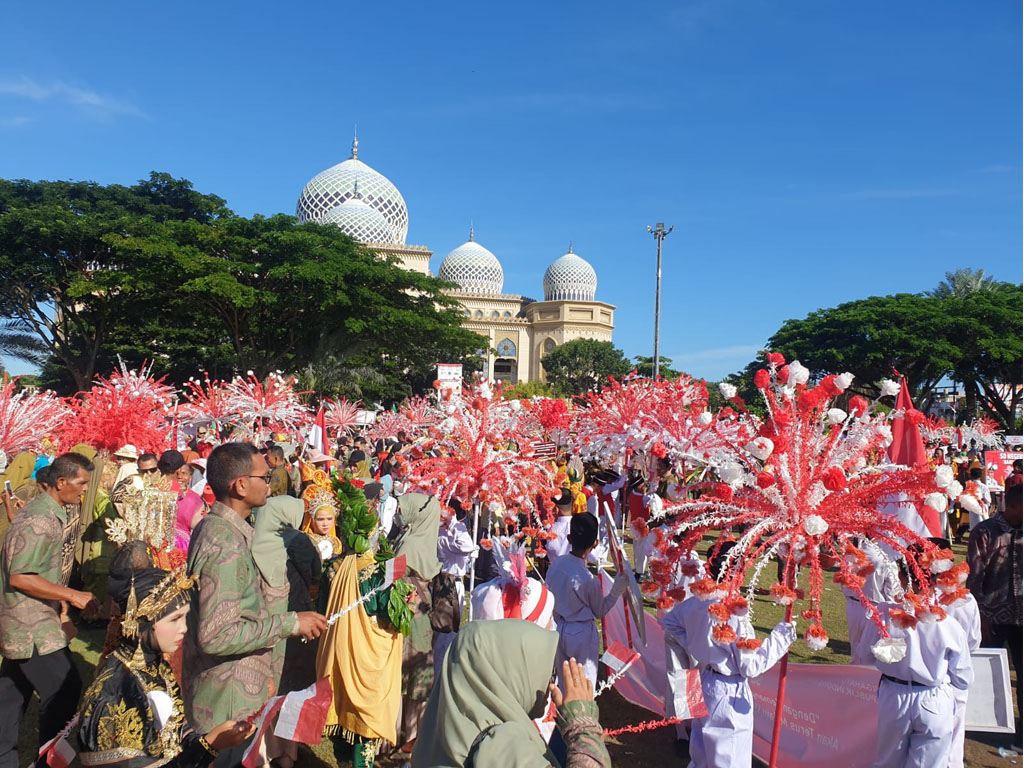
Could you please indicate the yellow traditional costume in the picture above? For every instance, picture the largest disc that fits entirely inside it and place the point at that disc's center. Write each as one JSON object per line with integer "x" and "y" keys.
{"x": 318, "y": 496}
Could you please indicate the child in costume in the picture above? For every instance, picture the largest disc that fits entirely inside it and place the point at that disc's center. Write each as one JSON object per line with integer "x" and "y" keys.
{"x": 132, "y": 715}
{"x": 361, "y": 652}
{"x": 724, "y": 738}
{"x": 579, "y": 599}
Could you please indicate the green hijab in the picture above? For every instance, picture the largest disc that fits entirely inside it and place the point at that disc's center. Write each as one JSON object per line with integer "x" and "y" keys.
{"x": 494, "y": 679}
{"x": 422, "y": 515}
{"x": 277, "y": 522}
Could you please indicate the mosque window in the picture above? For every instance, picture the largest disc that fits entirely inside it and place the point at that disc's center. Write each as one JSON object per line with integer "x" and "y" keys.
{"x": 506, "y": 348}
{"x": 549, "y": 345}
{"x": 495, "y": 315}
{"x": 508, "y": 315}
{"x": 479, "y": 315}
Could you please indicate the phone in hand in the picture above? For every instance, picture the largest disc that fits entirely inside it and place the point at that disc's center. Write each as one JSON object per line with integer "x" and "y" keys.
{"x": 8, "y": 489}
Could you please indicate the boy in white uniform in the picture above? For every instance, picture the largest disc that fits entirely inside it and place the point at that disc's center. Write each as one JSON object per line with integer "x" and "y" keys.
{"x": 579, "y": 599}
{"x": 725, "y": 738}
{"x": 881, "y": 586}
{"x": 916, "y": 704}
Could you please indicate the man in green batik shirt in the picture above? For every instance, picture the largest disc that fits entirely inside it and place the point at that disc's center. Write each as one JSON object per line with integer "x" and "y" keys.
{"x": 35, "y": 563}
{"x": 228, "y": 655}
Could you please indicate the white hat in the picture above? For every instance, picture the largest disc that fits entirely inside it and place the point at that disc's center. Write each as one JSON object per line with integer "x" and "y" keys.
{"x": 127, "y": 451}
{"x": 198, "y": 462}
{"x": 316, "y": 457}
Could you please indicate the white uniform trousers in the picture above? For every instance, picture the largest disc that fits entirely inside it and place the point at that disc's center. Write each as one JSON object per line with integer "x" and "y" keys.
{"x": 856, "y": 621}
{"x": 578, "y": 640}
{"x": 956, "y": 750}
{"x": 725, "y": 738}
{"x": 915, "y": 725}
{"x": 643, "y": 548}
{"x": 677, "y": 663}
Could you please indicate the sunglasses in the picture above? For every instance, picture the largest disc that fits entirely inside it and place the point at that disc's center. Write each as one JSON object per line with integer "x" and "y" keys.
{"x": 150, "y": 471}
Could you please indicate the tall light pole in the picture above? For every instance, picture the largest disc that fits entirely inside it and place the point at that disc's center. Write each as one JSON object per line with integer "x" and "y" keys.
{"x": 660, "y": 233}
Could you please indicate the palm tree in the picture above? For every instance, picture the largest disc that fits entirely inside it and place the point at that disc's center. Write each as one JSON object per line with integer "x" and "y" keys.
{"x": 18, "y": 340}
{"x": 962, "y": 283}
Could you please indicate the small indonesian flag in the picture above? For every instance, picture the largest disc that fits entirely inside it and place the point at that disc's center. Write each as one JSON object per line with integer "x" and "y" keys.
{"x": 263, "y": 718}
{"x": 57, "y": 752}
{"x": 304, "y": 713}
{"x": 618, "y": 657}
{"x": 689, "y": 702}
{"x": 394, "y": 569}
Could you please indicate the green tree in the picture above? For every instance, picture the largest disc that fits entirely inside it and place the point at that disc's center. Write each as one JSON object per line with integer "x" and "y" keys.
{"x": 583, "y": 365}
{"x": 645, "y": 367}
{"x": 870, "y": 338}
{"x": 60, "y": 275}
{"x": 18, "y": 340}
{"x": 527, "y": 390}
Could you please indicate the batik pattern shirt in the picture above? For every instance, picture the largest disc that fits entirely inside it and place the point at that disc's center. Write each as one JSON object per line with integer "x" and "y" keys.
{"x": 41, "y": 541}
{"x": 994, "y": 555}
{"x": 228, "y": 661}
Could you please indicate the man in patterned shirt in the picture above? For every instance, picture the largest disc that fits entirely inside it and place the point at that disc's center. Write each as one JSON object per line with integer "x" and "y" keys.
{"x": 227, "y": 671}
{"x": 994, "y": 554}
{"x": 35, "y": 563}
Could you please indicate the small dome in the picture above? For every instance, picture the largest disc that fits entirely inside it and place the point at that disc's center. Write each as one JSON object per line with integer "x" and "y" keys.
{"x": 360, "y": 222}
{"x": 473, "y": 268}
{"x": 570, "y": 278}
{"x": 329, "y": 189}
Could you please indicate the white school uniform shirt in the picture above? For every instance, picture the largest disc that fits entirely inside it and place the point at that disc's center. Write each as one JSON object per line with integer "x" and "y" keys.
{"x": 386, "y": 509}
{"x": 454, "y": 548}
{"x": 690, "y": 626}
{"x": 937, "y": 652}
{"x": 578, "y": 594}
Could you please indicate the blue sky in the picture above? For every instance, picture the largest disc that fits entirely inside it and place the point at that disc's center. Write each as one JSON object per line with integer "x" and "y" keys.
{"x": 807, "y": 152}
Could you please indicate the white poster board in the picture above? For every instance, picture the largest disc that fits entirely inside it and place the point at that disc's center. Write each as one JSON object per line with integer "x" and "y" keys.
{"x": 449, "y": 375}
{"x": 989, "y": 701}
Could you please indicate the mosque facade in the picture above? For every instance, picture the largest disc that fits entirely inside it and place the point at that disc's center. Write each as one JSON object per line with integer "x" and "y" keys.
{"x": 518, "y": 331}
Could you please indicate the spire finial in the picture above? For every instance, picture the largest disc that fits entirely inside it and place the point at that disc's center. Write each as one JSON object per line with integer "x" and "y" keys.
{"x": 355, "y": 142}
{"x": 570, "y": 246}
{"x": 471, "y": 230}
{"x": 355, "y": 189}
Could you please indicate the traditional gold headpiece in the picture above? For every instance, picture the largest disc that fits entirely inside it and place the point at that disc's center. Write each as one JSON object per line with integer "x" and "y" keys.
{"x": 173, "y": 585}
{"x": 148, "y": 513}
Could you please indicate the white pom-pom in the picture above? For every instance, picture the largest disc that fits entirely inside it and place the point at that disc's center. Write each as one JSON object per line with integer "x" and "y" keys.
{"x": 941, "y": 566}
{"x": 728, "y": 390}
{"x": 815, "y": 642}
{"x": 889, "y": 650}
{"x": 836, "y": 415}
{"x": 249, "y": 373}
{"x": 968, "y": 502}
{"x": 730, "y": 472}
{"x": 883, "y": 431}
{"x": 954, "y": 489}
{"x": 843, "y": 381}
{"x": 815, "y": 525}
{"x": 705, "y": 418}
{"x": 798, "y": 374}
{"x": 889, "y": 387}
{"x": 936, "y": 501}
{"x": 761, "y": 448}
{"x": 943, "y": 476}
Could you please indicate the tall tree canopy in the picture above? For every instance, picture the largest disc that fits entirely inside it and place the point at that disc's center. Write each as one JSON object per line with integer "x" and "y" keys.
{"x": 973, "y": 337}
{"x": 583, "y": 365}
{"x": 160, "y": 271}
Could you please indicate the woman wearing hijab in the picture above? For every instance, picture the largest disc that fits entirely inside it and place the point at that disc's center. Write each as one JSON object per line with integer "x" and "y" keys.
{"x": 19, "y": 474}
{"x": 495, "y": 681}
{"x": 132, "y": 715}
{"x": 289, "y": 565}
{"x": 422, "y": 517}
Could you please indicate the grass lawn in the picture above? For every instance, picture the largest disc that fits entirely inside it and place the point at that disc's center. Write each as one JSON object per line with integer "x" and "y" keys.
{"x": 652, "y": 749}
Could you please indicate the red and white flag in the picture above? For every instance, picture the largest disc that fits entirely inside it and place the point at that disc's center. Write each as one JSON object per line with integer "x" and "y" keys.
{"x": 689, "y": 703}
{"x": 394, "y": 569}
{"x": 304, "y": 713}
{"x": 317, "y": 437}
{"x": 57, "y": 752}
{"x": 618, "y": 657}
{"x": 263, "y": 719}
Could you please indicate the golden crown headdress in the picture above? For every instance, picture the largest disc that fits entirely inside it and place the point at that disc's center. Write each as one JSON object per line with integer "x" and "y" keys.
{"x": 170, "y": 588}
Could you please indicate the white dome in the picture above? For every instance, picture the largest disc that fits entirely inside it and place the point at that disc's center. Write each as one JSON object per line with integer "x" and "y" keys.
{"x": 360, "y": 222}
{"x": 570, "y": 278}
{"x": 329, "y": 189}
{"x": 473, "y": 268}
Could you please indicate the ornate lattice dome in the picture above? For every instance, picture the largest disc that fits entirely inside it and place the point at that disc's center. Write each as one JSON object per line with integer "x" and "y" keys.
{"x": 329, "y": 189}
{"x": 570, "y": 278}
{"x": 359, "y": 221}
{"x": 473, "y": 268}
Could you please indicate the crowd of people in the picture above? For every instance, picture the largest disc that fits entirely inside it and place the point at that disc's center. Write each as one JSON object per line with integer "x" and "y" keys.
{"x": 230, "y": 573}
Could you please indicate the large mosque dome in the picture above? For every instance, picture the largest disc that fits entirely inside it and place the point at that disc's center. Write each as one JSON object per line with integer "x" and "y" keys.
{"x": 570, "y": 278}
{"x": 360, "y": 222}
{"x": 473, "y": 268}
{"x": 353, "y": 178}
